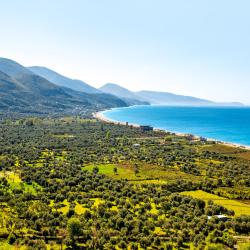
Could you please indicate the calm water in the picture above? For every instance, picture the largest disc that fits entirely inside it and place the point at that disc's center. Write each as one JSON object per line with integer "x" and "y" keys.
{"x": 231, "y": 124}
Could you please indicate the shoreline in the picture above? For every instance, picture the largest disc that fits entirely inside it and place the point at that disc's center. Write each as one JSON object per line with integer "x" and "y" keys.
{"x": 101, "y": 117}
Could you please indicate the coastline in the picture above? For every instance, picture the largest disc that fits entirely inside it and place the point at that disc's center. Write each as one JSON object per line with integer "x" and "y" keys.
{"x": 101, "y": 117}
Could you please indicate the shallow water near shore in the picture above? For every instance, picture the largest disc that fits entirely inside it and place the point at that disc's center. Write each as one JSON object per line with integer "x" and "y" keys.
{"x": 229, "y": 124}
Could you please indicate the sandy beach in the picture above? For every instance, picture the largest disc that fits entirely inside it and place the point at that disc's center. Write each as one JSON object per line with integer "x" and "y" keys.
{"x": 100, "y": 116}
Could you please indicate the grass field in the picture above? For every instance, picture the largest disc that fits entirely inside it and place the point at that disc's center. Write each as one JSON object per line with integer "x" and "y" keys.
{"x": 234, "y": 192}
{"x": 238, "y": 207}
{"x": 16, "y": 183}
{"x": 244, "y": 155}
{"x": 80, "y": 209}
{"x": 5, "y": 246}
{"x": 150, "y": 174}
{"x": 64, "y": 136}
{"x": 244, "y": 246}
{"x": 224, "y": 149}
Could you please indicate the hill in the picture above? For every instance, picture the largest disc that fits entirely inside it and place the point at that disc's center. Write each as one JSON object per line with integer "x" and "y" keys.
{"x": 123, "y": 93}
{"x": 64, "y": 81}
{"x": 117, "y": 90}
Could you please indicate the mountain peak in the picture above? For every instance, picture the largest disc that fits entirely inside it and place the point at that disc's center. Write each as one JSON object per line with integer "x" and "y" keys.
{"x": 12, "y": 68}
{"x": 128, "y": 96}
{"x": 117, "y": 90}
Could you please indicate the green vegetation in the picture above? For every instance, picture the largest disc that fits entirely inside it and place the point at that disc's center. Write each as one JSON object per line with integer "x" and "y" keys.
{"x": 71, "y": 183}
{"x": 238, "y": 207}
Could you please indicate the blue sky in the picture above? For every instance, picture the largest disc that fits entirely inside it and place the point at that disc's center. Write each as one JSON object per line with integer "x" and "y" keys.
{"x": 194, "y": 47}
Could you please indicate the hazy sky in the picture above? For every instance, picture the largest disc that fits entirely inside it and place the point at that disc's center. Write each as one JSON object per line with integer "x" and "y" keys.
{"x": 191, "y": 47}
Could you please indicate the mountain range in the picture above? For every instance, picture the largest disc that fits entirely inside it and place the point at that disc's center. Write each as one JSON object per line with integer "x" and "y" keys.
{"x": 161, "y": 98}
{"x": 22, "y": 91}
{"x": 39, "y": 90}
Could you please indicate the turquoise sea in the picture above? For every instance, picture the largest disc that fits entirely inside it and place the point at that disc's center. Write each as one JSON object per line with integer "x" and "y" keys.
{"x": 229, "y": 124}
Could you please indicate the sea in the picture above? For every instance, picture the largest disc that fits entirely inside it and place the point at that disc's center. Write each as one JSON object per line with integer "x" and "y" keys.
{"x": 227, "y": 124}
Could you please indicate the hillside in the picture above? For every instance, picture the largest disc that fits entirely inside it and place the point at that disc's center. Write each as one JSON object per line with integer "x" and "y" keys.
{"x": 24, "y": 92}
{"x": 64, "y": 81}
{"x": 7, "y": 83}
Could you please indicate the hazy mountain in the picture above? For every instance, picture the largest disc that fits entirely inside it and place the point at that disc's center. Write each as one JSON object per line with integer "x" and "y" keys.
{"x": 151, "y": 96}
{"x": 23, "y": 91}
{"x": 117, "y": 90}
{"x": 61, "y": 80}
{"x": 164, "y": 98}
{"x": 123, "y": 93}
{"x": 172, "y": 99}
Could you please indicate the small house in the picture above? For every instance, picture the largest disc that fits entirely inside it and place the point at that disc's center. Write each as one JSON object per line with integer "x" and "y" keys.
{"x": 203, "y": 139}
{"x": 145, "y": 128}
